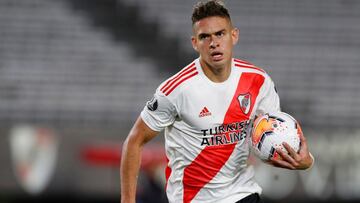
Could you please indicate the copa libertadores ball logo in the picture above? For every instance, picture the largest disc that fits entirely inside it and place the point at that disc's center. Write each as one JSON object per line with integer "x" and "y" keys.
{"x": 152, "y": 105}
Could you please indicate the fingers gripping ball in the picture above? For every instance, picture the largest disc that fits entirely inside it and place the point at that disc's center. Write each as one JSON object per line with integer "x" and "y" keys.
{"x": 270, "y": 131}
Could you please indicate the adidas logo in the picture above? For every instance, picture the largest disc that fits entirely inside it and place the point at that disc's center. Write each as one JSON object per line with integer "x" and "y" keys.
{"x": 204, "y": 112}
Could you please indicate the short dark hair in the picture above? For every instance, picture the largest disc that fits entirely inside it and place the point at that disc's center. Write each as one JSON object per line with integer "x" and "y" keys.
{"x": 208, "y": 9}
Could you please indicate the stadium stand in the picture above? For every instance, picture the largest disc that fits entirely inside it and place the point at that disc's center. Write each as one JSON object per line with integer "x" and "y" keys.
{"x": 55, "y": 66}
{"x": 58, "y": 69}
{"x": 61, "y": 65}
{"x": 91, "y": 65}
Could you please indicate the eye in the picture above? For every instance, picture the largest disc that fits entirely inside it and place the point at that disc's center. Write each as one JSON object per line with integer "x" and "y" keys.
{"x": 203, "y": 36}
{"x": 220, "y": 34}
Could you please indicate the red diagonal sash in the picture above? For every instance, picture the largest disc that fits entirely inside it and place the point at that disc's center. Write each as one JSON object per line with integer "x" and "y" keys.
{"x": 212, "y": 158}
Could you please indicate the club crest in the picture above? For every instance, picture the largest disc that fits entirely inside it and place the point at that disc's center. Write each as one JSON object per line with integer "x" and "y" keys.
{"x": 245, "y": 101}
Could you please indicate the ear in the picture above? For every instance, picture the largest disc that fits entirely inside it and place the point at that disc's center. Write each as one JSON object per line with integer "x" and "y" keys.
{"x": 194, "y": 43}
{"x": 235, "y": 35}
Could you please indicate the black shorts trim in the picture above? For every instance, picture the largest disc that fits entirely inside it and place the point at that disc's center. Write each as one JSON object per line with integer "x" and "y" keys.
{"x": 253, "y": 198}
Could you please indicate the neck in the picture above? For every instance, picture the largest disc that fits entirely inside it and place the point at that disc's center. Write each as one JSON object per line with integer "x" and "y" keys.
{"x": 216, "y": 74}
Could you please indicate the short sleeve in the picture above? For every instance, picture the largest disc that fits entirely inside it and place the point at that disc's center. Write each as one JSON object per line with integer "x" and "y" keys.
{"x": 159, "y": 112}
{"x": 270, "y": 102}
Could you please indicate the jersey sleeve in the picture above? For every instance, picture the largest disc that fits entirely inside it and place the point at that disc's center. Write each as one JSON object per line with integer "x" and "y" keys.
{"x": 270, "y": 101}
{"x": 159, "y": 112}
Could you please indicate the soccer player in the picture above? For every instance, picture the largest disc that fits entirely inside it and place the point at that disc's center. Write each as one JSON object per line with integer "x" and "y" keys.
{"x": 205, "y": 110}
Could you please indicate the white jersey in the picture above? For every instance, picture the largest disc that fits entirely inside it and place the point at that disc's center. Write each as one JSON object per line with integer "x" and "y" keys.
{"x": 206, "y": 134}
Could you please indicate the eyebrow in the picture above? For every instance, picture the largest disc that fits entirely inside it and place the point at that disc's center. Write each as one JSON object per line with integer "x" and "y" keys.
{"x": 208, "y": 34}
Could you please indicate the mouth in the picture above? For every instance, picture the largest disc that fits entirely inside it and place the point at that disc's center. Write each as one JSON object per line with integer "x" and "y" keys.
{"x": 217, "y": 55}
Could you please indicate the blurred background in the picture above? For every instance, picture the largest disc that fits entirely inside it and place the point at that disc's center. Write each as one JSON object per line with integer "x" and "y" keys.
{"x": 75, "y": 74}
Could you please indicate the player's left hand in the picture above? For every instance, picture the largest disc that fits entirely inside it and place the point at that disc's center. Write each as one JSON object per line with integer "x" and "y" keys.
{"x": 293, "y": 160}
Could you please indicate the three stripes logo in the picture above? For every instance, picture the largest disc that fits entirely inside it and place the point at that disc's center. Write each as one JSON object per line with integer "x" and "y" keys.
{"x": 204, "y": 112}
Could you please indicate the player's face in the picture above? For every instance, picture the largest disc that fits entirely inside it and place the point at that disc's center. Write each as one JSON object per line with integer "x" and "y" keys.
{"x": 213, "y": 38}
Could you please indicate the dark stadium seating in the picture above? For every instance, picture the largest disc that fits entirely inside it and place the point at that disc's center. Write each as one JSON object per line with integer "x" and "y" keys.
{"x": 55, "y": 66}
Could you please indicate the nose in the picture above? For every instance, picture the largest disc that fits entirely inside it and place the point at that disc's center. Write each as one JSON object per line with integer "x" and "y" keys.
{"x": 214, "y": 42}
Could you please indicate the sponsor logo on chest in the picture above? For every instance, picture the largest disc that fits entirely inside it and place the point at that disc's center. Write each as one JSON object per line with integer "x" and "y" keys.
{"x": 225, "y": 134}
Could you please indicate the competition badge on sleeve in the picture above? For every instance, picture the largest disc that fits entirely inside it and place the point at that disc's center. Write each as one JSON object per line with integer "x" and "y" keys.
{"x": 152, "y": 104}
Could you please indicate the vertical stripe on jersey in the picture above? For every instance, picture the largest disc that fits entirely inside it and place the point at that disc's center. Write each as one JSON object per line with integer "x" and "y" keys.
{"x": 211, "y": 159}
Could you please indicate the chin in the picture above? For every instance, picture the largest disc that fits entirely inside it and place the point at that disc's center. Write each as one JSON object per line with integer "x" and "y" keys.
{"x": 217, "y": 63}
{"x": 220, "y": 62}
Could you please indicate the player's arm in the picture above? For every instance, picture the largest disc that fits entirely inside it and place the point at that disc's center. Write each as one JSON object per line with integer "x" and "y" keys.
{"x": 295, "y": 161}
{"x": 158, "y": 113}
{"x": 131, "y": 158}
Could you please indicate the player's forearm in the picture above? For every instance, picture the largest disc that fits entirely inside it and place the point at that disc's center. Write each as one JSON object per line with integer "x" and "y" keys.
{"x": 129, "y": 170}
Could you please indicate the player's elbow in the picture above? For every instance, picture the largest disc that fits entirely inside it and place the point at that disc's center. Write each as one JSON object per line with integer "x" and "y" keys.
{"x": 139, "y": 134}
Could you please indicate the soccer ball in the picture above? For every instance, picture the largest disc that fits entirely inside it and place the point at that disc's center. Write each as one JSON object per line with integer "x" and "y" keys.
{"x": 269, "y": 131}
